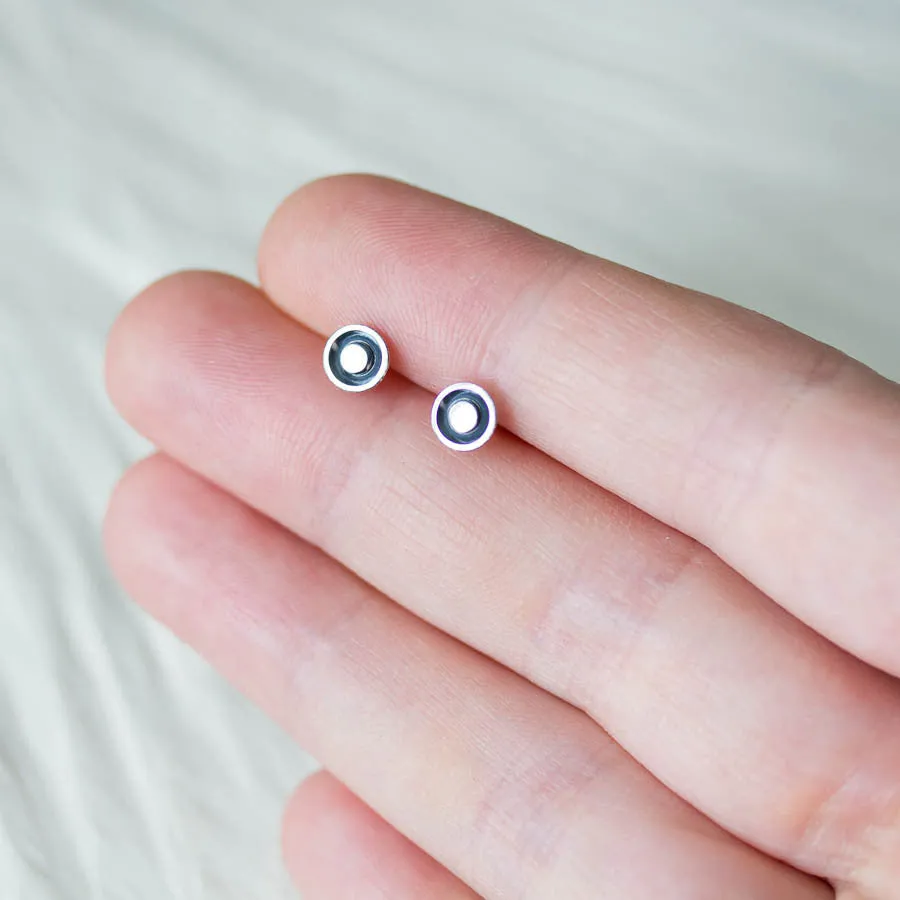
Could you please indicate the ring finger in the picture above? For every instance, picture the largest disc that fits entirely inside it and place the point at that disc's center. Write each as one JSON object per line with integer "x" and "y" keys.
{"x": 516, "y": 792}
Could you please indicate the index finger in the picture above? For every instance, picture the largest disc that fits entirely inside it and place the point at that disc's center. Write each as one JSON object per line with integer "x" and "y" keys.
{"x": 777, "y": 452}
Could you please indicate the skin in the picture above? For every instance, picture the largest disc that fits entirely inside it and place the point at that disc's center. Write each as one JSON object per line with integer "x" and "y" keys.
{"x": 644, "y": 643}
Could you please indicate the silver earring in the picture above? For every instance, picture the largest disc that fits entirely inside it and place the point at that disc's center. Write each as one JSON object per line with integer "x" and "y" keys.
{"x": 356, "y": 358}
{"x": 463, "y": 416}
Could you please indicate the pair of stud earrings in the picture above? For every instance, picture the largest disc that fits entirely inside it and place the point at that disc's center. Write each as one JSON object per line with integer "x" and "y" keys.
{"x": 463, "y": 415}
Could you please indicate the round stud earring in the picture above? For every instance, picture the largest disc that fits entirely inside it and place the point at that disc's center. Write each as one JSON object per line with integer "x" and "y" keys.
{"x": 355, "y": 358}
{"x": 463, "y": 416}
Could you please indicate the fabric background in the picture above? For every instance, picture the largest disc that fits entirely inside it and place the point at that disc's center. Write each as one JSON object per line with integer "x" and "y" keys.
{"x": 748, "y": 149}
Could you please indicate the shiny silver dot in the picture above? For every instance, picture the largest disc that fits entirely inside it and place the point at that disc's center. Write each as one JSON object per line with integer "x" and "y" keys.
{"x": 463, "y": 416}
{"x": 355, "y": 358}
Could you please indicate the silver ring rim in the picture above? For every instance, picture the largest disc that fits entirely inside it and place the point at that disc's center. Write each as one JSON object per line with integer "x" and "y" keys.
{"x": 488, "y": 402}
{"x": 377, "y": 376}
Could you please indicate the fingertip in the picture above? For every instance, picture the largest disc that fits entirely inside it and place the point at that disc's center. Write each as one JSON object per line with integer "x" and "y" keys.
{"x": 140, "y": 329}
{"x": 316, "y": 803}
{"x": 121, "y": 352}
{"x": 159, "y": 336}
{"x": 146, "y": 505}
{"x": 310, "y": 216}
{"x": 126, "y": 505}
{"x": 336, "y": 846}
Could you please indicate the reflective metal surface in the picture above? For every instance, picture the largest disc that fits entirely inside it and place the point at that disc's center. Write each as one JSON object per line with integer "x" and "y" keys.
{"x": 463, "y": 416}
{"x": 355, "y": 358}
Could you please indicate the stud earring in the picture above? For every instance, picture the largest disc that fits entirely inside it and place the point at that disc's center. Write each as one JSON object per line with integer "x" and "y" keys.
{"x": 355, "y": 358}
{"x": 463, "y": 416}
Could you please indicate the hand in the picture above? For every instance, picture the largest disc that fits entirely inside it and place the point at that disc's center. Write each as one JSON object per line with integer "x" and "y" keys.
{"x": 641, "y": 645}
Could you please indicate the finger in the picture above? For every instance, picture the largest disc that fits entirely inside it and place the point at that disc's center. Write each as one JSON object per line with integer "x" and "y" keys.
{"x": 513, "y": 790}
{"x": 336, "y": 847}
{"x": 775, "y": 451}
{"x": 683, "y": 661}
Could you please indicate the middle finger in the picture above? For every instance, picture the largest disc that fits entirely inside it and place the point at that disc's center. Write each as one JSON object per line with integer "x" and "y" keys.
{"x": 764, "y": 725}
